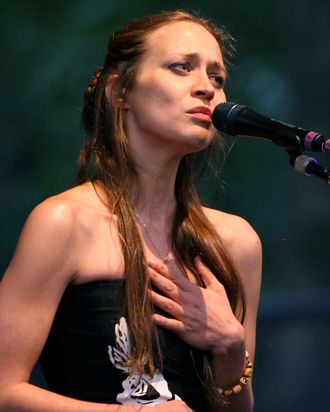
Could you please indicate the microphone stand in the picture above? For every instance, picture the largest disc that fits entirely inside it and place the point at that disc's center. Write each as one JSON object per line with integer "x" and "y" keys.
{"x": 302, "y": 163}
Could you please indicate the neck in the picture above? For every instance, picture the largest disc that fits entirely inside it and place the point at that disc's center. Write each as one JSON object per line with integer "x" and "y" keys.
{"x": 154, "y": 206}
{"x": 153, "y": 195}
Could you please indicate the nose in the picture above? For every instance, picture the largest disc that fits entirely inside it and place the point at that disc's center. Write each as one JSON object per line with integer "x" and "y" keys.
{"x": 203, "y": 87}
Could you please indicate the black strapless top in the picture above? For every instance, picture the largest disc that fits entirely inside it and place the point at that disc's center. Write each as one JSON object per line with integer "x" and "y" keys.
{"x": 88, "y": 342}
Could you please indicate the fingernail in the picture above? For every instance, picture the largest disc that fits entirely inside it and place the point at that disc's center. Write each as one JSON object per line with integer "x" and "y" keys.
{"x": 151, "y": 262}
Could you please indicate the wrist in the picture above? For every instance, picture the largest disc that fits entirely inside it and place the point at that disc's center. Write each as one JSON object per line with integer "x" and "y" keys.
{"x": 229, "y": 360}
{"x": 237, "y": 387}
{"x": 230, "y": 344}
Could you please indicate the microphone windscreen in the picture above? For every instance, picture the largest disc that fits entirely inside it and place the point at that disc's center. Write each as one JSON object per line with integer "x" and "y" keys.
{"x": 223, "y": 114}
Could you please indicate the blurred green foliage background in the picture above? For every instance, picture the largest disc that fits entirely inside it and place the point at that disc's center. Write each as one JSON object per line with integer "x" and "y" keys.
{"x": 49, "y": 51}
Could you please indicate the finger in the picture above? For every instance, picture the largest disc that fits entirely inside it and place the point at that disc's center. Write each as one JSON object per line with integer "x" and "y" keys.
{"x": 207, "y": 276}
{"x": 173, "y": 325}
{"x": 159, "y": 267}
{"x": 166, "y": 286}
{"x": 167, "y": 305}
{"x": 159, "y": 274}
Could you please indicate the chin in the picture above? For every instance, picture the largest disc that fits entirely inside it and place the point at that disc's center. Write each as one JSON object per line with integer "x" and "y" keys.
{"x": 201, "y": 141}
{"x": 198, "y": 146}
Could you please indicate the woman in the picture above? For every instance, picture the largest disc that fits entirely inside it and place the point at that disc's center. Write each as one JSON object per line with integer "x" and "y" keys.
{"x": 133, "y": 294}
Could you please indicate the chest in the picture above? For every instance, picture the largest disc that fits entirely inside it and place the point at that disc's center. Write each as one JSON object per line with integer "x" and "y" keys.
{"x": 101, "y": 256}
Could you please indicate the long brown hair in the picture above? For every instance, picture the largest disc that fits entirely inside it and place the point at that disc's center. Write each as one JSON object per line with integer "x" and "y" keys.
{"x": 106, "y": 158}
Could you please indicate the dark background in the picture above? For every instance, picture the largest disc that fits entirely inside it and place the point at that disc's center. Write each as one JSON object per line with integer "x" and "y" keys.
{"x": 49, "y": 50}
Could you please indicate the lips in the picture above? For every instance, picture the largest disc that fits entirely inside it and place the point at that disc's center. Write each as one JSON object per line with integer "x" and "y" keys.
{"x": 202, "y": 113}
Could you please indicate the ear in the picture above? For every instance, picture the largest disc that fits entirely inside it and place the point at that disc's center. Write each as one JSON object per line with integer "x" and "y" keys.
{"x": 111, "y": 80}
{"x": 113, "y": 87}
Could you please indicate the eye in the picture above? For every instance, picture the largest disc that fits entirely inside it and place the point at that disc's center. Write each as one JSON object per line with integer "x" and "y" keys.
{"x": 218, "y": 80}
{"x": 181, "y": 67}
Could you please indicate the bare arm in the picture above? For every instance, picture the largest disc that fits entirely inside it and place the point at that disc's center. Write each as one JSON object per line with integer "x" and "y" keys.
{"x": 44, "y": 263}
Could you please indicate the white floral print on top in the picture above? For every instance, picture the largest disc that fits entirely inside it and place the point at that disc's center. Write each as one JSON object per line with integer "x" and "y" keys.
{"x": 138, "y": 390}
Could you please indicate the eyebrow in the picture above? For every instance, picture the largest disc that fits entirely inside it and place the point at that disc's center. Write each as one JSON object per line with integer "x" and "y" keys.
{"x": 213, "y": 63}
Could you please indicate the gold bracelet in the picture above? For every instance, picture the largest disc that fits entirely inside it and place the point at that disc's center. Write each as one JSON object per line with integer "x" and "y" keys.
{"x": 237, "y": 388}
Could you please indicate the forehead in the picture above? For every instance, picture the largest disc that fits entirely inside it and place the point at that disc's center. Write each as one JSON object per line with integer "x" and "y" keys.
{"x": 183, "y": 38}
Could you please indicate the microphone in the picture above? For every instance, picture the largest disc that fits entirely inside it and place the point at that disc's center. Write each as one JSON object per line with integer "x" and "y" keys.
{"x": 235, "y": 119}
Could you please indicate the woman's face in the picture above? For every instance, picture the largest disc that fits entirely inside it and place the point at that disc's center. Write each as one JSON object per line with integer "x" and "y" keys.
{"x": 179, "y": 83}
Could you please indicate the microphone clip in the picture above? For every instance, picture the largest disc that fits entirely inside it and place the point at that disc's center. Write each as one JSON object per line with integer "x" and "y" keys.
{"x": 287, "y": 140}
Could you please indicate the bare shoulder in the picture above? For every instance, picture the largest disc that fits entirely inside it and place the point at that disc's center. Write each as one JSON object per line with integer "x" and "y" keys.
{"x": 51, "y": 235}
{"x": 239, "y": 238}
{"x": 232, "y": 228}
{"x": 62, "y": 213}
{"x": 56, "y": 212}
{"x": 56, "y": 215}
